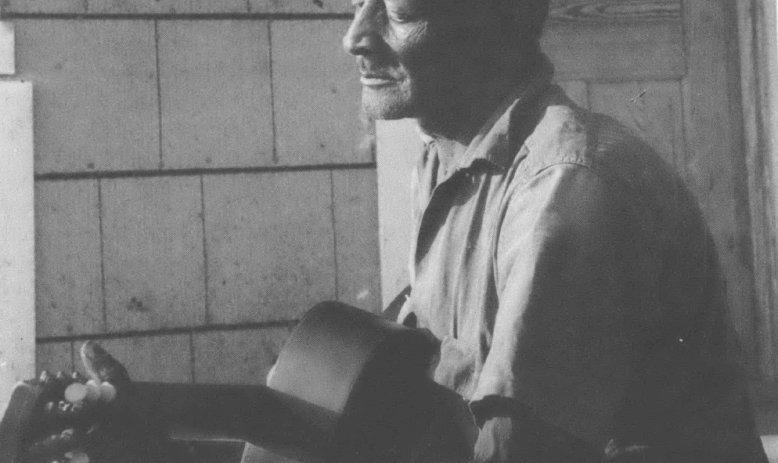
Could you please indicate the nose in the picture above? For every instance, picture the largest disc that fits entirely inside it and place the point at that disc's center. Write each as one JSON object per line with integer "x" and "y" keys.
{"x": 362, "y": 33}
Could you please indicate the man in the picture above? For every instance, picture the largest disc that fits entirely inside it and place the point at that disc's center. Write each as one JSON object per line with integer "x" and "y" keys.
{"x": 566, "y": 271}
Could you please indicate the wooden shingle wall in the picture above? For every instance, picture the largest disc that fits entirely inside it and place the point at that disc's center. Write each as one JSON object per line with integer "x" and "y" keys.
{"x": 203, "y": 176}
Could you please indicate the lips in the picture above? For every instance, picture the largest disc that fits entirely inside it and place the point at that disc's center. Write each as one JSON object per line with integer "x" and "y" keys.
{"x": 376, "y": 80}
{"x": 372, "y": 75}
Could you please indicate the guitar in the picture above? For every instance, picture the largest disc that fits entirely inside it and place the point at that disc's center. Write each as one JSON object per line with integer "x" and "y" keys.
{"x": 348, "y": 386}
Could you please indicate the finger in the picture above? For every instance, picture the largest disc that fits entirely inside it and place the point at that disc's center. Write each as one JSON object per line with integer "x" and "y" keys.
{"x": 53, "y": 384}
{"x": 64, "y": 379}
{"x": 50, "y": 387}
{"x": 101, "y": 366}
{"x": 79, "y": 377}
{"x": 49, "y": 459}
{"x": 77, "y": 457}
{"x": 64, "y": 411}
{"x": 54, "y": 446}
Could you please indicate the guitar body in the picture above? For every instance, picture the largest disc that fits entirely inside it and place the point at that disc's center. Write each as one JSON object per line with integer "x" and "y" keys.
{"x": 348, "y": 386}
{"x": 372, "y": 373}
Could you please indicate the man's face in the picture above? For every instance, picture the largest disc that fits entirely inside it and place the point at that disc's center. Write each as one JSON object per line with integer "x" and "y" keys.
{"x": 415, "y": 57}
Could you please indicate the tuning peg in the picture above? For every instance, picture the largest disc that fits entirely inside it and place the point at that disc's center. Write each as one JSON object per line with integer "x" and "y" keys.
{"x": 76, "y": 392}
{"x": 45, "y": 377}
{"x": 77, "y": 457}
{"x": 107, "y": 392}
{"x": 63, "y": 410}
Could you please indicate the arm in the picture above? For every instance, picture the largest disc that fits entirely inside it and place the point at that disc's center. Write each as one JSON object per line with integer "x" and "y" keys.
{"x": 523, "y": 437}
{"x": 560, "y": 357}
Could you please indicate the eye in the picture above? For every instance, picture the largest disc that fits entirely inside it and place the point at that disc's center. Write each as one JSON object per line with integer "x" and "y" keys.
{"x": 401, "y": 16}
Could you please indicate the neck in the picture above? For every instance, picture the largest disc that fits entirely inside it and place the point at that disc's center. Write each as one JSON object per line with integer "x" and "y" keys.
{"x": 455, "y": 129}
{"x": 255, "y": 414}
{"x": 455, "y": 126}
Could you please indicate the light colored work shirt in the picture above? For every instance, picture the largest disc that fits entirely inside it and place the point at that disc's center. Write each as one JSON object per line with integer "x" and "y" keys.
{"x": 565, "y": 267}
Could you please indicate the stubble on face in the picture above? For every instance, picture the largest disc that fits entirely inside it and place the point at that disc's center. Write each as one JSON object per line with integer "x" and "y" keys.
{"x": 403, "y": 60}
{"x": 423, "y": 65}
{"x": 389, "y": 102}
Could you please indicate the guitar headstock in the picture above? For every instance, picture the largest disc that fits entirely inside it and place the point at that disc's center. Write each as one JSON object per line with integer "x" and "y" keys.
{"x": 50, "y": 415}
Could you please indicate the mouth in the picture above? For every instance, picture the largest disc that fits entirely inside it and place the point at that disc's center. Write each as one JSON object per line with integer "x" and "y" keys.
{"x": 375, "y": 79}
{"x": 372, "y": 74}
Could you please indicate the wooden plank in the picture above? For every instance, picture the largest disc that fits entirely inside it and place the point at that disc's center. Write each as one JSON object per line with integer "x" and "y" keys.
{"x": 210, "y": 7}
{"x": 398, "y": 147}
{"x": 237, "y": 357}
{"x": 616, "y": 52}
{"x": 301, "y": 6}
{"x": 54, "y": 357}
{"x": 9, "y": 7}
{"x": 270, "y": 245}
{"x": 614, "y": 10}
{"x": 7, "y": 48}
{"x": 317, "y": 95}
{"x": 716, "y": 173}
{"x": 153, "y": 253}
{"x": 68, "y": 260}
{"x": 356, "y": 238}
{"x": 200, "y": 67}
{"x": 561, "y": 10}
{"x": 17, "y": 236}
{"x": 576, "y": 90}
{"x": 167, "y": 6}
{"x": 759, "y": 66}
{"x": 96, "y": 102}
{"x": 653, "y": 109}
{"x": 150, "y": 358}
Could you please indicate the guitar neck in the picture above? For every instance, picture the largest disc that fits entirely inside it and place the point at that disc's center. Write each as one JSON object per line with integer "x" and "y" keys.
{"x": 255, "y": 414}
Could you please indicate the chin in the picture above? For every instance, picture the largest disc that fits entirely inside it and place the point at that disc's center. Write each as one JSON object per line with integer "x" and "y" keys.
{"x": 386, "y": 105}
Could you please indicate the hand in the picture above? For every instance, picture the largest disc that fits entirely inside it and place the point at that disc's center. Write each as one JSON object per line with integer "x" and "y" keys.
{"x": 452, "y": 433}
{"x": 102, "y": 429}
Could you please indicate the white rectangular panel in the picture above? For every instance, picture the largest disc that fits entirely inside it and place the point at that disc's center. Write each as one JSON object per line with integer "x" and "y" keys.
{"x": 17, "y": 233}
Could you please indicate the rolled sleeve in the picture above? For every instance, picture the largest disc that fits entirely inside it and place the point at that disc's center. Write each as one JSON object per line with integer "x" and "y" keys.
{"x": 561, "y": 344}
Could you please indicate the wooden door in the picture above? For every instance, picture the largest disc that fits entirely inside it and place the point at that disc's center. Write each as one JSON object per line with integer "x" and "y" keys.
{"x": 666, "y": 68}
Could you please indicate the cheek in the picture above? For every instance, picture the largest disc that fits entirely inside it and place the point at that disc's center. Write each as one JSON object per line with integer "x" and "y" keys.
{"x": 411, "y": 43}
{"x": 439, "y": 49}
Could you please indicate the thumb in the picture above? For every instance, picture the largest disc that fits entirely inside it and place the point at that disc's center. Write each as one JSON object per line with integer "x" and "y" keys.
{"x": 101, "y": 366}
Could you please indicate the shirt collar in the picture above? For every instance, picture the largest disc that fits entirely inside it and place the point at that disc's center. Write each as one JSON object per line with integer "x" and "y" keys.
{"x": 493, "y": 142}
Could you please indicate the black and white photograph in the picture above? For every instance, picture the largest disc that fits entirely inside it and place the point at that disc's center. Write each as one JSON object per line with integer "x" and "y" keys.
{"x": 388, "y": 231}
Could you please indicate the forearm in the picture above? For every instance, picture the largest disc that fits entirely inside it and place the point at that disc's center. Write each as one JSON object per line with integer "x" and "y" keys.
{"x": 521, "y": 437}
